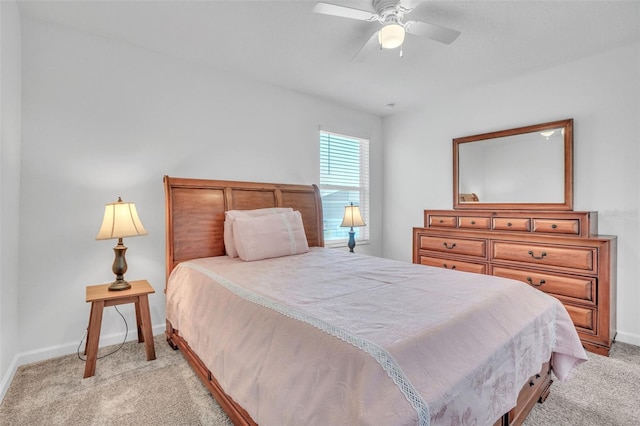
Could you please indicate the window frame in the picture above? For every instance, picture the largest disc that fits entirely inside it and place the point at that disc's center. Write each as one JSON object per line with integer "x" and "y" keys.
{"x": 362, "y": 234}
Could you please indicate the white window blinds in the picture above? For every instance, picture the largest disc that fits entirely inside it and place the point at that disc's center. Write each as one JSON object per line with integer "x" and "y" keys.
{"x": 344, "y": 179}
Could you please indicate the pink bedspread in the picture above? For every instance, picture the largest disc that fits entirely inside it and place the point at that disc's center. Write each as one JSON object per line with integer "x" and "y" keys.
{"x": 330, "y": 337}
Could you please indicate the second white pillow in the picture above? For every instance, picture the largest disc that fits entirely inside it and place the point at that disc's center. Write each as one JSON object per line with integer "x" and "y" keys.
{"x": 270, "y": 236}
{"x": 231, "y": 215}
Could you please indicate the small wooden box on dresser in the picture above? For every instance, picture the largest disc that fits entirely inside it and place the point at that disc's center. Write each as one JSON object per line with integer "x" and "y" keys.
{"x": 558, "y": 252}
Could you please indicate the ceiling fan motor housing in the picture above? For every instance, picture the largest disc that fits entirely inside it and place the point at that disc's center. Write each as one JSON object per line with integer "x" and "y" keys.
{"x": 389, "y": 11}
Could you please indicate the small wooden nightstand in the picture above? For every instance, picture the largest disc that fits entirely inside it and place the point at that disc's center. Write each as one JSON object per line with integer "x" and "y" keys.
{"x": 100, "y": 296}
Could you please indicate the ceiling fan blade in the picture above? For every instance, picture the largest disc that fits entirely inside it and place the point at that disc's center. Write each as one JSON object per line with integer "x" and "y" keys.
{"x": 369, "y": 47}
{"x": 432, "y": 31}
{"x": 344, "y": 12}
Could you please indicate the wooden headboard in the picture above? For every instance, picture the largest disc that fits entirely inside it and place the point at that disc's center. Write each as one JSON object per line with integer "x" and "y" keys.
{"x": 194, "y": 210}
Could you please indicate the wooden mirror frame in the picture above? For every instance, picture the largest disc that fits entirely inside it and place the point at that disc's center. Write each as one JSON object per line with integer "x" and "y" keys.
{"x": 566, "y": 125}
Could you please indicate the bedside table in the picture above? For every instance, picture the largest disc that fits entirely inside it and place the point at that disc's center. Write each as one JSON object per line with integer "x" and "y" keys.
{"x": 100, "y": 296}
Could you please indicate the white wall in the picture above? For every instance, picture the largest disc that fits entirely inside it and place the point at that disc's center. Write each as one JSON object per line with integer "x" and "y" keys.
{"x": 601, "y": 93}
{"x": 10, "y": 111}
{"x": 103, "y": 119}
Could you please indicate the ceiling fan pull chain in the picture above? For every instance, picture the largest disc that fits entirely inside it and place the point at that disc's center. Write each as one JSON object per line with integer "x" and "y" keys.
{"x": 401, "y": 51}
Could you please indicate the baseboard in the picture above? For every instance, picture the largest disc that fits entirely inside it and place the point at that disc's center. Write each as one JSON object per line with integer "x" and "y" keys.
{"x": 8, "y": 377}
{"x": 42, "y": 354}
{"x": 630, "y": 338}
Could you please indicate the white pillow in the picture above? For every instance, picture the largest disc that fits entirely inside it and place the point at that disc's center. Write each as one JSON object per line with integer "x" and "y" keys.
{"x": 275, "y": 235}
{"x": 230, "y": 216}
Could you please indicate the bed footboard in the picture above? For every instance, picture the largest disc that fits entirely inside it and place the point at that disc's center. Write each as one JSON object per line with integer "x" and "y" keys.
{"x": 535, "y": 390}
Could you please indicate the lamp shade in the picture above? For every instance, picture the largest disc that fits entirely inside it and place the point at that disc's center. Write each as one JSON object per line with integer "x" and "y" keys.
{"x": 120, "y": 220}
{"x": 352, "y": 217}
{"x": 391, "y": 36}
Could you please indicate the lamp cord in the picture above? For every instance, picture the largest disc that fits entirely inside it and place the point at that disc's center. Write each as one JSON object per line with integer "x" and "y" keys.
{"x": 126, "y": 333}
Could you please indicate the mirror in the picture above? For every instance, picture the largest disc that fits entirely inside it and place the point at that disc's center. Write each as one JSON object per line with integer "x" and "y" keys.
{"x": 524, "y": 168}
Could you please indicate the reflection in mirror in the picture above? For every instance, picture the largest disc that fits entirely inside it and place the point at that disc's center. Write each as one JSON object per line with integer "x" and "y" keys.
{"x": 524, "y": 168}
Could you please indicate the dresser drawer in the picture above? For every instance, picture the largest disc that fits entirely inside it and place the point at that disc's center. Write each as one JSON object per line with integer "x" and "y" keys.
{"x": 583, "y": 258}
{"x": 557, "y": 226}
{"x": 474, "y": 222}
{"x": 443, "y": 221}
{"x": 459, "y": 246}
{"x": 584, "y": 318}
{"x": 565, "y": 287}
{"x": 458, "y": 265}
{"x": 511, "y": 224}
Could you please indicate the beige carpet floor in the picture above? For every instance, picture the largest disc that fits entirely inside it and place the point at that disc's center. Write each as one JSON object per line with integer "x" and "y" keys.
{"x": 604, "y": 391}
{"x": 128, "y": 390}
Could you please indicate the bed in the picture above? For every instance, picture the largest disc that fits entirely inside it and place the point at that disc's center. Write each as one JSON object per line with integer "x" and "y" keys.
{"x": 330, "y": 337}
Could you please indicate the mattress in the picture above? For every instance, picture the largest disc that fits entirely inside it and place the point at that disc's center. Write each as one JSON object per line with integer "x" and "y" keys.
{"x": 330, "y": 337}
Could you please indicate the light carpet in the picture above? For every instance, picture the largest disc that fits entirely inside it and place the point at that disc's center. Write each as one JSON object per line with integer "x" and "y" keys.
{"x": 604, "y": 391}
{"x": 128, "y": 390}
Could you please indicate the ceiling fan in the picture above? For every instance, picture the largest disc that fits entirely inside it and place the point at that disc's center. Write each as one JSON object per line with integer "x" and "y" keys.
{"x": 390, "y": 14}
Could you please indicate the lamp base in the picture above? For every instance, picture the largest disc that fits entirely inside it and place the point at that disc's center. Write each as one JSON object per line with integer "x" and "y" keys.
{"x": 119, "y": 285}
{"x": 352, "y": 240}
{"x": 119, "y": 268}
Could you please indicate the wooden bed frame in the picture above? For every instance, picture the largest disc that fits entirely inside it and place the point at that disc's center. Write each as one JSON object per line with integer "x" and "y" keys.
{"x": 194, "y": 228}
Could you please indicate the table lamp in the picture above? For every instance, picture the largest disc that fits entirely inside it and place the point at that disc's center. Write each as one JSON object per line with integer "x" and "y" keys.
{"x": 352, "y": 218}
{"x": 120, "y": 221}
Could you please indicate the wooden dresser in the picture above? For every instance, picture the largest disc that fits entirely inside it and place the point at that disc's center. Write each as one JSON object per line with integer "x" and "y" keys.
{"x": 557, "y": 252}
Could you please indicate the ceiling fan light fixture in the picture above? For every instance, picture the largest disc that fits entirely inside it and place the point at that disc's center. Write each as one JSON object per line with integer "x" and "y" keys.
{"x": 547, "y": 134}
{"x": 391, "y": 36}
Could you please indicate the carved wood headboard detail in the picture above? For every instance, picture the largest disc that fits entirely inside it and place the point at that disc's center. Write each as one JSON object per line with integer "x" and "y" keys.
{"x": 194, "y": 213}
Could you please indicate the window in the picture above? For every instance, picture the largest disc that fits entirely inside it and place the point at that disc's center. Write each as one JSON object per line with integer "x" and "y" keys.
{"x": 344, "y": 179}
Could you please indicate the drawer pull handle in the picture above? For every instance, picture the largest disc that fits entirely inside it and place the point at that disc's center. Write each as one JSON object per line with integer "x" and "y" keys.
{"x": 537, "y": 376}
{"x": 447, "y": 246}
{"x": 554, "y": 226}
{"x": 531, "y": 383}
{"x": 543, "y": 254}
{"x": 446, "y": 267}
{"x": 535, "y": 284}
{"x": 508, "y": 223}
{"x": 473, "y": 222}
{"x": 440, "y": 221}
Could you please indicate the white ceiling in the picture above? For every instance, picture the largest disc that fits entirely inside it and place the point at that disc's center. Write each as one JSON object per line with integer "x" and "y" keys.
{"x": 284, "y": 43}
